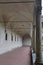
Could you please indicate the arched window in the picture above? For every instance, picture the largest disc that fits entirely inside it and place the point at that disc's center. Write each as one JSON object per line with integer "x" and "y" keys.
{"x": 5, "y": 36}
{"x": 15, "y": 37}
{"x": 11, "y": 37}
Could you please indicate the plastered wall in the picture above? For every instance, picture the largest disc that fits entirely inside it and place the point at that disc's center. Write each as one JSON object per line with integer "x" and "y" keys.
{"x": 8, "y": 45}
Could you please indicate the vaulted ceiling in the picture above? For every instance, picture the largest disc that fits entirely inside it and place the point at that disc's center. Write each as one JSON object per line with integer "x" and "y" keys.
{"x": 18, "y": 14}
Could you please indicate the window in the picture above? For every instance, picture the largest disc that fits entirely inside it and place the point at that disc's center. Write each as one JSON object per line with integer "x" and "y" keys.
{"x": 5, "y": 36}
{"x": 15, "y": 37}
{"x": 12, "y": 37}
{"x": 42, "y": 38}
{"x": 42, "y": 24}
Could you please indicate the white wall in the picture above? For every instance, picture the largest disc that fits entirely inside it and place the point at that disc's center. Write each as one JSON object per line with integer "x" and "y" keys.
{"x": 8, "y": 45}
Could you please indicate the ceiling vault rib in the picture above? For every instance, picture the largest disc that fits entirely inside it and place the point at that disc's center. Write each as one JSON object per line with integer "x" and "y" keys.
{"x": 16, "y": 21}
{"x": 17, "y": 2}
{"x": 20, "y": 28}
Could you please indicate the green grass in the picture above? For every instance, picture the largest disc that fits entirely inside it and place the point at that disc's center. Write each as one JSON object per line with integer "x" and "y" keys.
{"x": 41, "y": 46}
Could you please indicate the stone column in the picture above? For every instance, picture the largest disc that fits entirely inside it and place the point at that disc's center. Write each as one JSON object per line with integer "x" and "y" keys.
{"x": 34, "y": 38}
{"x": 38, "y": 38}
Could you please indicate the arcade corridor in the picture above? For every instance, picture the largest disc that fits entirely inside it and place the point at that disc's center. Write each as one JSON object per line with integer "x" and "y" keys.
{"x": 20, "y": 32}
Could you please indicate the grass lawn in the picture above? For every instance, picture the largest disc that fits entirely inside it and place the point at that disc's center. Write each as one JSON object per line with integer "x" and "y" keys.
{"x": 41, "y": 46}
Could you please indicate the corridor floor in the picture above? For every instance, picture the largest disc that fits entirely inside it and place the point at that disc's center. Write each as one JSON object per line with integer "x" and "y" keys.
{"x": 19, "y": 56}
